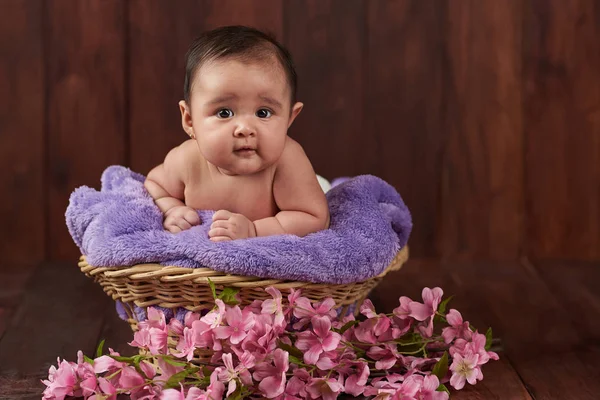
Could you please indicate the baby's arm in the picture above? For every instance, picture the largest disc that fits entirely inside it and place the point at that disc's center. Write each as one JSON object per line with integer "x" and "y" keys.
{"x": 165, "y": 184}
{"x": 298, "y": 195}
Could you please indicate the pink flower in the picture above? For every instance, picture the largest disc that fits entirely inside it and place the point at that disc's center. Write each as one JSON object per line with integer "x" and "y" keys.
{"x": 203, "y": 335}
{"x": 216, "y": 388}
{"x": 130, "y": 379}
{"x": 231, "y": 373}
{"x": 403, "y": 310}
{"x": 457, "y": 327}
{"x": 61, "y": 381}
{"x": 148, "y": 392}
{"x": 148, "y": 369}
{"x": 193, "y": 393}
{"x": 150, "y": 337}
{"x": 272, "y": 378}
{"x": 186, "y": 344}
{"x": 431, "y": 300}
{"x": 304, "y": 310}
{"x": 326, "y": 388}
{"x": 214, "y": 318}
{"x": 386, "y": 356}
{"x": 156, "y": 319}
{"x": 313, "y": 344}
{"x": 368, "y": 331}
{"x": 239, "y": 323}
{"x": 86, "y": 377}
{"x": 107, "y": 388}
{"x": 175, "y": 327}
{"x": 355, "y": 383}
{"x": 368, "y": 309}
{"x": 428, "y": 390}
{"x": 296, "y": 385}
{"x": 465, "y": 368}
{"x": 166, "y": 370}
{"x": 189, "y": 318}
{"x": 327, "y": 360}
{"x": 292, "y": 297}
{"x": 173, "y": 394}
{"x": 274, "y": 306}
{"x": 477, "y": 346}
{"x": 262, "y": 339}
{"x": 425, "y": 312}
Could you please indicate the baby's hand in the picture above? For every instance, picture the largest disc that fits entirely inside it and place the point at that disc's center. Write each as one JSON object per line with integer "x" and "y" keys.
{"x": 180, "y": 218}
{"x": 229, "y": 226}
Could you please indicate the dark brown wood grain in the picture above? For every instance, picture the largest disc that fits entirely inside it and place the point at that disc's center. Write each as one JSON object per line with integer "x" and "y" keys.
{"x": 483, "y": 114}
{"x": 576, "y": 286}
{"x": 562, "y": 128}
{"x": 14, "y": 278}
{"x": 572, "y": 375}
{"x": 85, "y": 44}
{"x": 519, "y": 307}
{"x": 327, "y": 40}
{"x": 156, "y": 61}
{"x": 23, "y": 199}
{"x": 482, "y": 202}
{"x": 61, "y": 311}
{"x": 404, "y": 133}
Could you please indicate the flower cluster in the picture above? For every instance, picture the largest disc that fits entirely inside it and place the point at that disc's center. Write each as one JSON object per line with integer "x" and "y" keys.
{"x": 297, "y": 350}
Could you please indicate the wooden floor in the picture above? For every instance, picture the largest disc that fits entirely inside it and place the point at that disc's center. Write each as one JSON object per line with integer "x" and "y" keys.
{"x": 546, "y": 314}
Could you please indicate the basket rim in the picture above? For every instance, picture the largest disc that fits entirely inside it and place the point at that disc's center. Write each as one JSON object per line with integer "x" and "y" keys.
{"x": 171, "y": 274}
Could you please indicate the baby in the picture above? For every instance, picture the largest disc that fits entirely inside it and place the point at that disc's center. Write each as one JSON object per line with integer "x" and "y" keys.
{"x": 240, "y": 100}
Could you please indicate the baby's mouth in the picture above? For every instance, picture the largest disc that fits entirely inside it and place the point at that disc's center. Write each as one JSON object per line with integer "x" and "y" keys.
{"x": 245, "y": 151}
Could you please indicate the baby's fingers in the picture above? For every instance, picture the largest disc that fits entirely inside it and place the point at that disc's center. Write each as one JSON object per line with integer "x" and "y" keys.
{"x": 217, "y": 232}
{"x": 220, "y": 239}
{"x": 172, "y": 228}
{"x": 220, "y": 224}
{"x": 191, "y": 217}
{"x": 222, "y": 215}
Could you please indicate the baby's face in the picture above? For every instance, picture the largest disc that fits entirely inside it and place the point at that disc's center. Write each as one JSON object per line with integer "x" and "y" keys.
{"x": 240, "y": 113}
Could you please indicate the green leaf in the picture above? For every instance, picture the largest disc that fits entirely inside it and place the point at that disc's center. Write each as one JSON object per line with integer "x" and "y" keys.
{"x": 488, "y": 338}
{"x": 292, "y": 351}
{"x": 228, "y": 296}
{"x": 174, "y": 380}
{"x": 123, "y": 358}
{"x": 240, "y": 392}
{"x": 440, "y": 369}
{"x": 169, "y": 360}
{"x": 205, "y": 381}
{"x": 442, "y": 388}
{"x": 88, "y": 360}
{"x": 348, "y": 325}
{"x": 100, "y": 348}
{"x": 295, "y": 360}
{"x": 212, "y": 288}
{"x": 443, "y": 304}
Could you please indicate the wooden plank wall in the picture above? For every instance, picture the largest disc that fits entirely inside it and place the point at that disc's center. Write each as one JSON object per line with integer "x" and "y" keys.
{"x": 485, "y": 115}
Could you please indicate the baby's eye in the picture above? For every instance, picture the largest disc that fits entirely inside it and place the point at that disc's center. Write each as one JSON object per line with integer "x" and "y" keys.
{"x": 224, "y": 113}
{"x": 263, "y": 113}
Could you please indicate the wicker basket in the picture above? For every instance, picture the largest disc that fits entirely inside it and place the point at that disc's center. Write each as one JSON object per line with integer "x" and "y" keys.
{"x": 146, "y": 285}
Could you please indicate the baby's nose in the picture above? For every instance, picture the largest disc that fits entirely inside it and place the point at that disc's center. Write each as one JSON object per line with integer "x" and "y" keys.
{"x": 244, "y": 130}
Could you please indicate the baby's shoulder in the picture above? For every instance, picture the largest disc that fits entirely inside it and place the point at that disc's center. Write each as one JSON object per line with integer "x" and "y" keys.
{"x": 292, "y": 151}
{"x": 182, "y": 159}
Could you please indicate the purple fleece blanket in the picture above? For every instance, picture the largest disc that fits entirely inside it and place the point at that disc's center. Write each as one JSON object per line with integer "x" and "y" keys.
{"x": 121, "y": 225}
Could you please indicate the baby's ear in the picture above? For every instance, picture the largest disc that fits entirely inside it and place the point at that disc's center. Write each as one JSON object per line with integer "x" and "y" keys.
{"x": 294, "y": 113}
{"x": 186, "y": 119}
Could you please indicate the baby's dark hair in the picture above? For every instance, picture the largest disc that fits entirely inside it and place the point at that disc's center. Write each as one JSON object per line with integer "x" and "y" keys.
{"x": 239, "y": 42}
